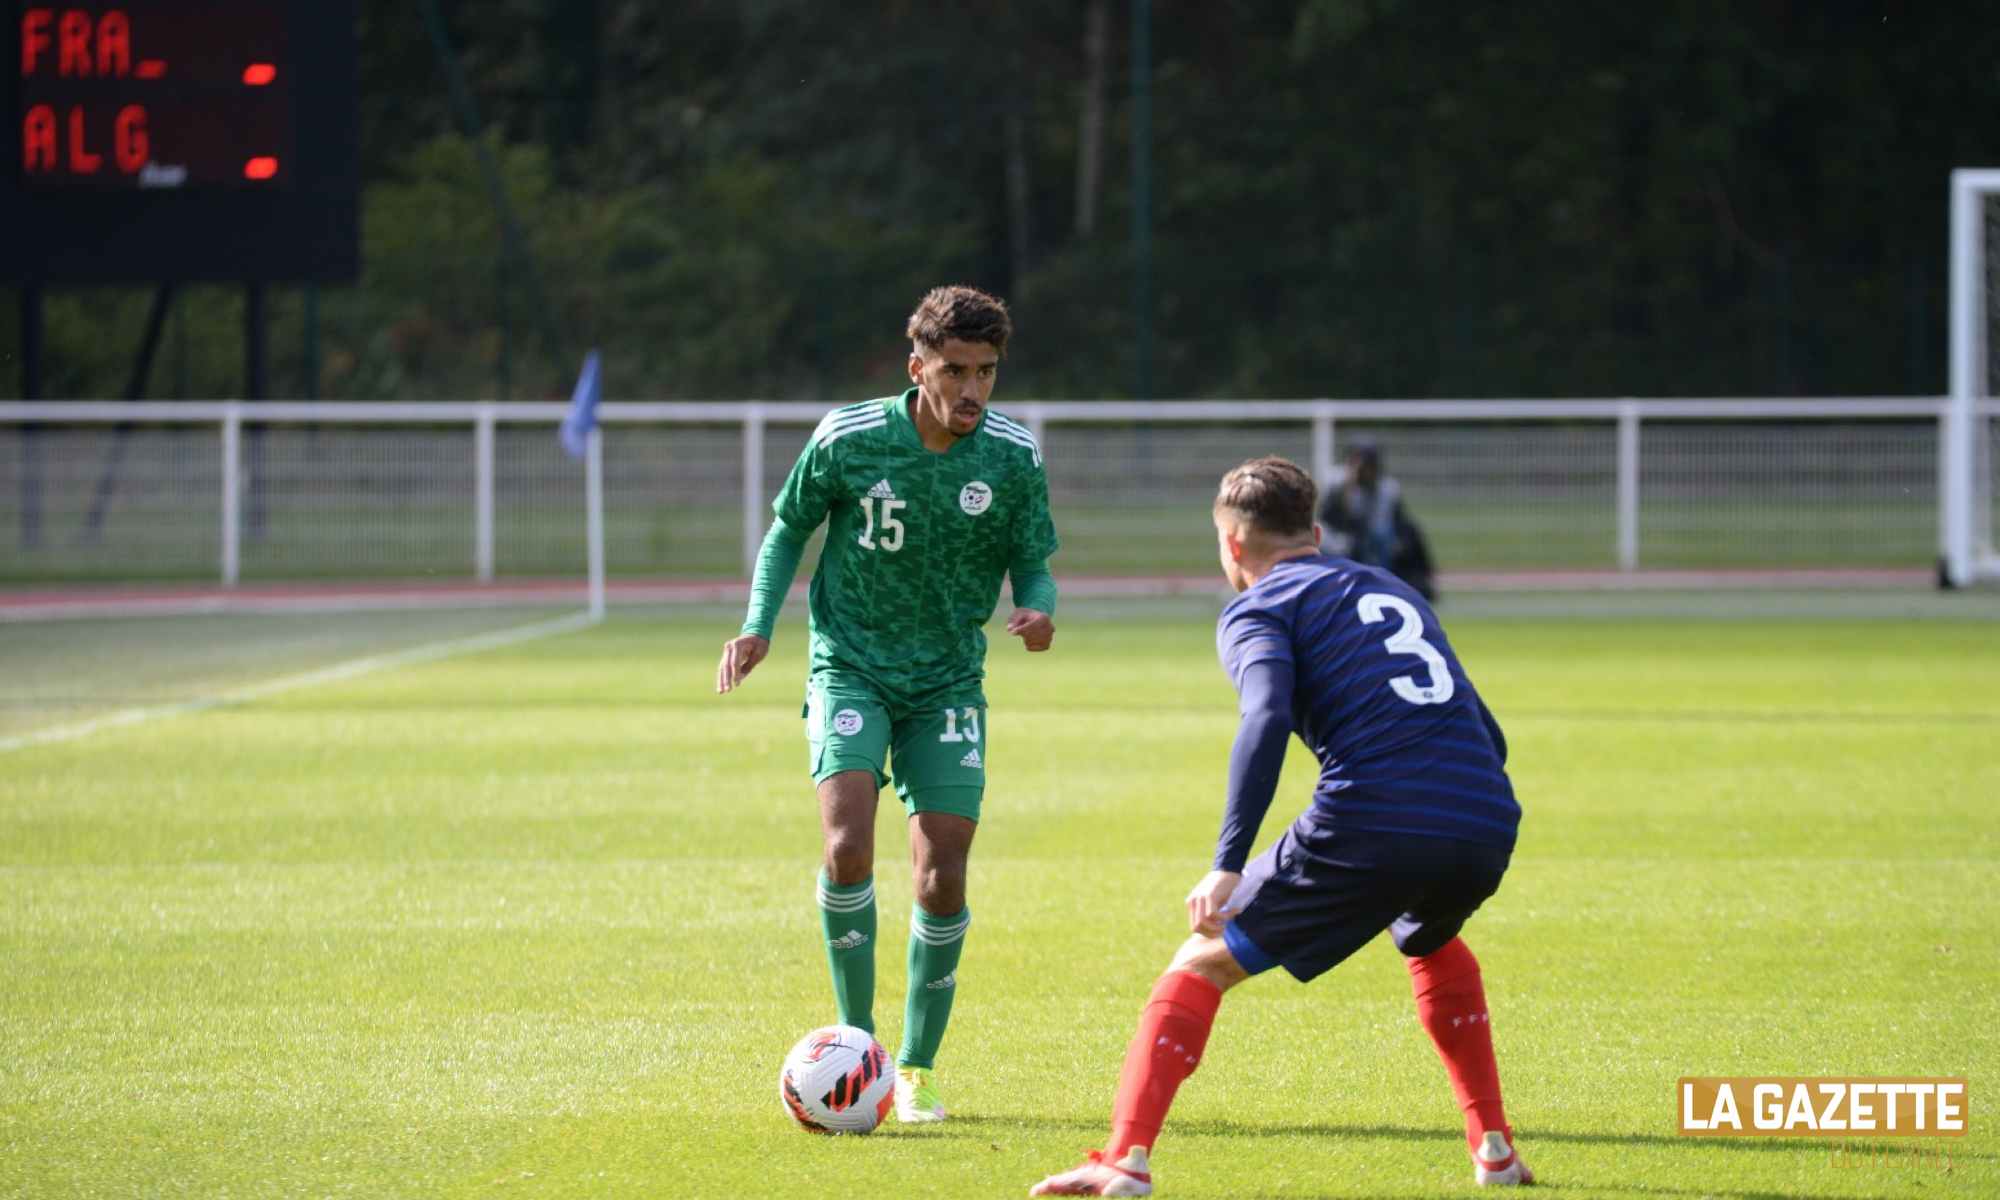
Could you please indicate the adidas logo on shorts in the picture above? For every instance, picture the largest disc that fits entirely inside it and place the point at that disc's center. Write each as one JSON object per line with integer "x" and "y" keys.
{"x": 971, "y": 759}
{"x": 882, "y": 491}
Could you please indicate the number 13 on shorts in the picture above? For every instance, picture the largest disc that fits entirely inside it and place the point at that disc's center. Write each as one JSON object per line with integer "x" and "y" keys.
{"x": 960, "y": 725}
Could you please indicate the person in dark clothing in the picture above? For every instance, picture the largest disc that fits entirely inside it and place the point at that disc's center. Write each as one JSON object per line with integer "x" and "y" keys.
{"x": 1365, "y": 520}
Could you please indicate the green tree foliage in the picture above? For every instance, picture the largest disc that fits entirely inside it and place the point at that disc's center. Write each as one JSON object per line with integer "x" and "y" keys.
{"x": 1351, "y": 198}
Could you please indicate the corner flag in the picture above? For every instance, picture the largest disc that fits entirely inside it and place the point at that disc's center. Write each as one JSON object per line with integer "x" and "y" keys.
{"x": 578, "y": 427}
{"x": 582, "y": 415}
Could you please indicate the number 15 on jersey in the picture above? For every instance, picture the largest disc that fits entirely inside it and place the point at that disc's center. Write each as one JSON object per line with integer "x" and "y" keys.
{"x": 892, "y": 529}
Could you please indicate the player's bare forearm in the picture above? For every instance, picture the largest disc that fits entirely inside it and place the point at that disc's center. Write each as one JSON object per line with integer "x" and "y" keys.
{"x": 1037, "y": 630}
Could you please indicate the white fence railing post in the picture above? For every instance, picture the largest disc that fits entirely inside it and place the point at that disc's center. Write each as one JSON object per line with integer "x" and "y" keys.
{"x": 232, "y": 495}
{"x": 1322, "y": 463}
{"x": 1967, "y": 371}
{"x": 1038, "y": 424}
{"x": 753, "y": 485}
{"x": 482, "y": 497}
{"x": 1628, "y": 486}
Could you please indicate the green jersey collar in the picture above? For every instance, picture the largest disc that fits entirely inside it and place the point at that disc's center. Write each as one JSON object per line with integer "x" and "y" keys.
{"x": 906, "y": 425}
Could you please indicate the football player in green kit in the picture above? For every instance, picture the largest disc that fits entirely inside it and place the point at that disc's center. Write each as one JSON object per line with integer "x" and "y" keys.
{"x": 929, "y": 498}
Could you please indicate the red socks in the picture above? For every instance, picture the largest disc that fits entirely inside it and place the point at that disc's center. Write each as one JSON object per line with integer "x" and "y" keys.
{"x": 1452, "y": 1006}
{"x": 1165, "y": 1049}
{"x": 1173, "y": 1031}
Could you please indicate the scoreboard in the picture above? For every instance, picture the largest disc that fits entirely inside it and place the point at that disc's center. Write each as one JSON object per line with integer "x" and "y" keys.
{"x": 185, "y": 140}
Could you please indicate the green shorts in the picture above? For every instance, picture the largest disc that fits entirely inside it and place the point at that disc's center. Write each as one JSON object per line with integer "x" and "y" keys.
{"x": 937, "y": 750}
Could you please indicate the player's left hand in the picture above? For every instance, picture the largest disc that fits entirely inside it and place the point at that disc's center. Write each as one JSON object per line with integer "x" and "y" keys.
{"x": 1036, "y": 629}
{"x": 1208, "y": 903}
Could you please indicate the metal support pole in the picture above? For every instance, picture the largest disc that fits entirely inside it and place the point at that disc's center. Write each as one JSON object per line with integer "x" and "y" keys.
{"x": 309, "y": 368}
{"x": 593, "y": 490}
{"x": 232, "y": 495}
{"x": 256, "y": 330}
{"x": 753, "y": 486}
{"x": 482, "y": 494}
{"x": 256, "y": 386}
{"x": 1322, "y": 464}
{"x": 31, "y": 340}
{"x": 121, "y": 434}
{"x": 31, "y": 389}
{"x": 1628, "y": 486}
{"x": 1142, "y": 199}
{"x": 1968, "y": 324}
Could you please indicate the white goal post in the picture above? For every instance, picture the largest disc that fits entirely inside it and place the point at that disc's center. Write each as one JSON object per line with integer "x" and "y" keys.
{"x": 1966, "y": 448}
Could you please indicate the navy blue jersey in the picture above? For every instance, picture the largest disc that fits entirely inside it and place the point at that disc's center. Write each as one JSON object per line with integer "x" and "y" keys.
{"x": 1404, "y": 743}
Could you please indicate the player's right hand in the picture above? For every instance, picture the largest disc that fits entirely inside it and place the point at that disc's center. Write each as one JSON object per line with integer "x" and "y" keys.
{"x": 1208, "y": 903}
{"x": 740, "y": 656}
{"x": 1035, "y": 628}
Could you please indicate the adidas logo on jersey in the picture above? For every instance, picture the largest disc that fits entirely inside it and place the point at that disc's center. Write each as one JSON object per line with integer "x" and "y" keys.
{"x": 971, "y": 759}
{"x": 850, "y": 940}
{"x": 882, "y": 491}
{"x": 938, "y": 985}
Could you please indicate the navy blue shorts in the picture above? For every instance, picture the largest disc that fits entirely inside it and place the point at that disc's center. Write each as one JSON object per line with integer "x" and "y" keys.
{"x": 1319, "y": 894}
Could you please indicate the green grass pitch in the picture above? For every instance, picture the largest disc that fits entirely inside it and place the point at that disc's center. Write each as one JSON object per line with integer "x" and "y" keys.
{"x": 539, "y": 922}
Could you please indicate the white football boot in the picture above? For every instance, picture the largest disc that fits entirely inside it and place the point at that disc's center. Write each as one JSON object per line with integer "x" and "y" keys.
{"x": 1495, "y": 1164}
{"x": 1131, "y": 1175}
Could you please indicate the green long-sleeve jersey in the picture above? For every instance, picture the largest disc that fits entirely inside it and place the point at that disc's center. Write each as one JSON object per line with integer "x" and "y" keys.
{"x": 917, "y": 541}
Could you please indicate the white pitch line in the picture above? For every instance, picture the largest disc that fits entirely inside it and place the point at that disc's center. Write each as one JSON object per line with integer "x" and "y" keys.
{"x": 351, "y": 669}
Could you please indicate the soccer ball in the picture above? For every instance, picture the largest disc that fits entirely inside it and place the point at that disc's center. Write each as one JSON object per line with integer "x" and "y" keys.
{"x": 837, "y": 1080}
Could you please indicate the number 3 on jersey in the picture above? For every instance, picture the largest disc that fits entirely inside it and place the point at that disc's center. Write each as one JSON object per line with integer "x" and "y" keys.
{"x": 1409, "y": 639}
{"x": 892, "y": 529}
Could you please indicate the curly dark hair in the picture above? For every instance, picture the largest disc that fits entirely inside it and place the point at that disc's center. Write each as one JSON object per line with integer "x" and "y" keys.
{"x": 1274, "y": 495}
{"x": 964, "y": 313}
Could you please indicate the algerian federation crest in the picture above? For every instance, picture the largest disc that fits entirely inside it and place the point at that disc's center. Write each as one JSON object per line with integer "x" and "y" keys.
{"x": 975, "y": 498}
{"x": 847, "y": 722}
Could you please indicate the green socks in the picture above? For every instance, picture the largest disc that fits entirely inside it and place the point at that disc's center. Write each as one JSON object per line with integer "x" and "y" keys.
{"x": 847, "y": 918}
{"x": 847, "y": 915}
{"x": 934, "y": 946}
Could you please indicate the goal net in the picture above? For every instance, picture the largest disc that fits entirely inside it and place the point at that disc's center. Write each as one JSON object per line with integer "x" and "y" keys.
{"x": 1971, "y": 445}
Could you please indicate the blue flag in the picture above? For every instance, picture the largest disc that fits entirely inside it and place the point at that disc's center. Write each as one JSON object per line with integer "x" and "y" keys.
{"x": 582, "y": 415}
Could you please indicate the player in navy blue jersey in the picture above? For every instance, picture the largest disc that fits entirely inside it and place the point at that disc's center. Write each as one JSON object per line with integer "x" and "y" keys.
{"x": 1411, "y": 825}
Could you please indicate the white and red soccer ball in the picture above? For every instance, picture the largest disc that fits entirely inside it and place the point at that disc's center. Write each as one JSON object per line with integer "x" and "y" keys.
{"x": 837, "y": 1080}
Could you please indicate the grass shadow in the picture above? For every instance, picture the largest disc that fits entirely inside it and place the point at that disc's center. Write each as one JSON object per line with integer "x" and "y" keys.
{"x": 974, "y": 1127}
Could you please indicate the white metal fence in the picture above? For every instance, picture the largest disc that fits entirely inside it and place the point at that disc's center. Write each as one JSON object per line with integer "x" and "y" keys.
{"x": 290, "y": 491}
